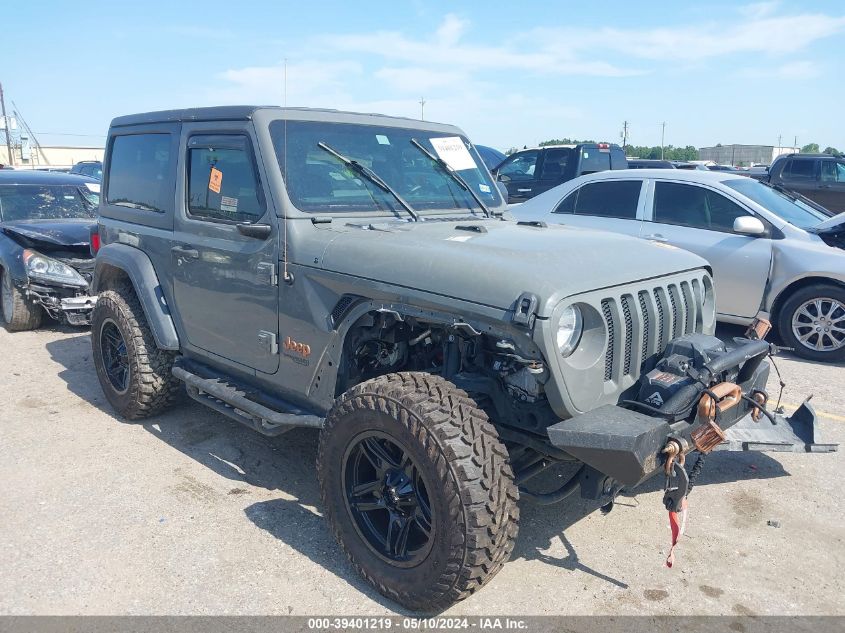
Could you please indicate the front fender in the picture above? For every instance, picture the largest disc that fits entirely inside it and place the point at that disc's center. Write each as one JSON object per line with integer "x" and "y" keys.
{"x": 138, "y": 267}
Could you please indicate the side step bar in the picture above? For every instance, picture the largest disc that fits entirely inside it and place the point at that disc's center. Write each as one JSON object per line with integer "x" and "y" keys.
{"x": 233, "y": 403}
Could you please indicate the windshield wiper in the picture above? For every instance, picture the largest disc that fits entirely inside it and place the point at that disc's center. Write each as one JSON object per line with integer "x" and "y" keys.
{"x": 444, "y": 166}
{"x": 370, "y": 175}
{"x": 797, "y": 197}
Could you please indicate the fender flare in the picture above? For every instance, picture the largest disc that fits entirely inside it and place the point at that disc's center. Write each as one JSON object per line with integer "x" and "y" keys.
{"x": 138, "y": 267}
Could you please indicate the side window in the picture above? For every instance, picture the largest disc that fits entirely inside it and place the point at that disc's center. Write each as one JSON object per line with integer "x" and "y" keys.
{"x": 554, "y": 164}
{"x": 139, "y": 172}
{"x": 593, "y": 160}
{"x": 611, "y": 199}
{"x": 800, "y": 169}
{"x": 695, "y": 207}
{"x": 222, "y": 181}
{"x": 521, "y": 167}
{"x": 833, "y": 171}
{"x": 568, "y": 203}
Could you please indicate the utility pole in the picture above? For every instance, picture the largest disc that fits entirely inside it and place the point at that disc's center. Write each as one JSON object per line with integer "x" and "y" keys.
{"x": 624, "y": 135}
{"x": 422, "y": 108}
{"x": 780, "y": 138}
{"x": 795, "y": 142}
{"x": 662, "y": 138}
{"x": 6, "y": 127}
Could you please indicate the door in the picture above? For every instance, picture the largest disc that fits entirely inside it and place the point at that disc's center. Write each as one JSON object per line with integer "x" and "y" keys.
{"x": 700, "y": 220}
{"x": 607, "y": 205}
{"x": 225, "y": 251}
{"x": 831, "y": 193}
{"x": 802, "y": 176}
{"x": 552, "y": 169}
{"x": 518, "y": 173}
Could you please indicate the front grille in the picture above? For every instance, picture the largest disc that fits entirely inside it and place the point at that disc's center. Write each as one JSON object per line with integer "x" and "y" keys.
{"x": 639, "y": 329}
{"x": 611, "y": 331}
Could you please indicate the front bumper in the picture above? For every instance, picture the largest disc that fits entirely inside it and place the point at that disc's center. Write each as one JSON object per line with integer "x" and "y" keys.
{"x": 627, "y": 445}
{"x": 62, "y": 303}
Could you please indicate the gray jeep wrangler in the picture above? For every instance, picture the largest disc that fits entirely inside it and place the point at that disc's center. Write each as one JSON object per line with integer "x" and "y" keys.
{"x": 354, "y": 274}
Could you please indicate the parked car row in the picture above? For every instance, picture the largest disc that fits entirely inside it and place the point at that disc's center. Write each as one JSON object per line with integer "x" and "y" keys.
{"x": 358, "y": 274}
{"x": 767, "y": 249}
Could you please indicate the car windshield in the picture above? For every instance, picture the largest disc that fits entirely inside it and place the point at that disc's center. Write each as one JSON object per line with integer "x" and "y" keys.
{"x": 318, "y": 181}
{"x": 47, "y": 202}
{"x": 793, "y": 211}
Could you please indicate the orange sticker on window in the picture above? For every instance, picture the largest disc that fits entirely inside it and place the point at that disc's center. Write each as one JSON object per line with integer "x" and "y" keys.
{"x": 215, "y": 179}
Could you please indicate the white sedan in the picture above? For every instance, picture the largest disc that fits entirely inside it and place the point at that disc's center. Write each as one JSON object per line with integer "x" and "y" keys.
{"x": 768, "y": 249}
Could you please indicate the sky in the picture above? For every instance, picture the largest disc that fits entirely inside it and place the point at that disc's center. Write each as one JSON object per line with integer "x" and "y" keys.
{"x": 509, "y": 74}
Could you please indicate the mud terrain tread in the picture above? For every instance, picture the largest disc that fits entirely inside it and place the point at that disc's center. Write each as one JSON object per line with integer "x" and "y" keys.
{"x": 153, "y": 388}
{"x": 472, "y": 464}
{"x": 25, "y": 314}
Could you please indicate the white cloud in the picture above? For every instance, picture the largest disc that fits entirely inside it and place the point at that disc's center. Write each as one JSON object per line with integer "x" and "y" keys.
{"x": 793, "y": 71}
{"x": 447, "y": 49}
{"x": 309, "y": 82}
{"x": 759, "y": 33}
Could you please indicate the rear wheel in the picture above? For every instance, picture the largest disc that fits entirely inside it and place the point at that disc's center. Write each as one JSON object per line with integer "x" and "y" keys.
{"x": 417, "y": 489}
{"x": 812, "y": 321}
{"x": 18, "y": 312}
{"x": 135, "y": 375}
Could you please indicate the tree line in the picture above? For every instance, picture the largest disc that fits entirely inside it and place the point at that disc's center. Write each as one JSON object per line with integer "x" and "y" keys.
{"x": 670, "y": 152}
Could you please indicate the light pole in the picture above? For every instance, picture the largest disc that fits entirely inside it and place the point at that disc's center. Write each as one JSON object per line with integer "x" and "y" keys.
{"x": 662, "y": 138}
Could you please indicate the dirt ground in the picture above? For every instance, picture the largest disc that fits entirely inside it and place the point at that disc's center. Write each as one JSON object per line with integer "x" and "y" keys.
{"x": 191, "y": 513}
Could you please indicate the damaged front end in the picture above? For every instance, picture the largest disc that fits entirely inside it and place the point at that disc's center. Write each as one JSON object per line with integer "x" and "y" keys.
{"x": 702, "y": 395}
{"x": 60, "y": 285}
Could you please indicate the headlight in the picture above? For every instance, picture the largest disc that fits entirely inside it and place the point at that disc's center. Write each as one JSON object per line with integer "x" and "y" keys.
{"x": 569, "y": 330}
{"x": 43, "y": 268}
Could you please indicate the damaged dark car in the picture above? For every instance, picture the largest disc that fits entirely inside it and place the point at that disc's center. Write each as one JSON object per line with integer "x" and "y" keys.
{"x": 46, "y": 225}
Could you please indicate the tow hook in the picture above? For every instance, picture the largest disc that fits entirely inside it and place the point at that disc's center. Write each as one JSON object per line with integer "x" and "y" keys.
{"x": 675, "y": 491}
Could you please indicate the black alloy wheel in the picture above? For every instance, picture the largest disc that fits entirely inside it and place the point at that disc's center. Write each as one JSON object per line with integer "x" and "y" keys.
{"x": 387, "y": 499}
{"x": 115, "y": 356}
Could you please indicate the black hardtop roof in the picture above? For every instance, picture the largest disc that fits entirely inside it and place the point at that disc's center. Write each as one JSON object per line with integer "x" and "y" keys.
{"x": 40, "y": 177}
{"x": 807, "y": 155}
{"x": 227, "y": 113}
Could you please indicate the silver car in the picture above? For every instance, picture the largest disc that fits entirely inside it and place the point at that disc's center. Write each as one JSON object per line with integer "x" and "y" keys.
{"x": 769, "y": 250}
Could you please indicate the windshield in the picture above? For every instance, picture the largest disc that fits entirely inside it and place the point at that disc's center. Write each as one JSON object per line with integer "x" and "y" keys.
{"x": 318, "y": 181}
{"x": 47, "y": 202}
{"x": 793, "y": 211}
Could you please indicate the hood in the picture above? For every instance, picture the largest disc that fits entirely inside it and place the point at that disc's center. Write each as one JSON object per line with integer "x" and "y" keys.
{"x": 831, "y": 225}
{"x": 493, "y": 262}
{"x": 51, "y": 233}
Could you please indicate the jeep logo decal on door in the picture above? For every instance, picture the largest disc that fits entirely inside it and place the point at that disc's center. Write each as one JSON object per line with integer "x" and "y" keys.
{"x": 293, "y": 348}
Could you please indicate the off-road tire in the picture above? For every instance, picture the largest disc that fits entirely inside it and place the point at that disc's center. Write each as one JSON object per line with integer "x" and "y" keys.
{"x": 16, "y": 311}
{"x": 474, "y": 499}
{"x": 793, "y": 303}
{"x": 151, "y": 385}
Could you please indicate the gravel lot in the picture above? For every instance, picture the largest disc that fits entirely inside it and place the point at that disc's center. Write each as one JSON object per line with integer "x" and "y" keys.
{"x": 190, "y": 513}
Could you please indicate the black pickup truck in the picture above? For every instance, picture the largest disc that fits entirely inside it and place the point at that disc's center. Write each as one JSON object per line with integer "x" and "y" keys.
{"x": 530, "y": 172}
{"x": 819, "y": 177}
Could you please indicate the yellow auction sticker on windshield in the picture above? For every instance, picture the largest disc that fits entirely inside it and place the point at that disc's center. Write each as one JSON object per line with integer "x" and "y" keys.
{"x": 454, "y": 152}
{"x": 215, "y": 180}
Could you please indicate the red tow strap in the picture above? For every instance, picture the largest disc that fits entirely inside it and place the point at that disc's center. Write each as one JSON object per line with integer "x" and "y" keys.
{"x": 677, "y": 524}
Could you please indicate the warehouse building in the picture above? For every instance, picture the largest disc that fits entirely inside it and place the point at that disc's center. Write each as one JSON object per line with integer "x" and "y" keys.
{"x": 744, "y": 155}
{"x": 26, "y": 156}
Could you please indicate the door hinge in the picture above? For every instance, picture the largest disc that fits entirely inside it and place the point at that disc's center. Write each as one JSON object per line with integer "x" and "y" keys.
{"x": 267, "y": 341}
{"x": 267, "y": 274}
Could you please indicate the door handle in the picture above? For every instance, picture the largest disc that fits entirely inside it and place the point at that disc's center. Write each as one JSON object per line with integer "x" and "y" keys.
{"x": 185, "y": 252}
{"x": 523, "y": 191}
{"x": 656, "y": 237}
{"x": 258, "y": 231}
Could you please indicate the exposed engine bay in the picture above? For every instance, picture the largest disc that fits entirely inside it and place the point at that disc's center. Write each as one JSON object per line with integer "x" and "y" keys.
{"x": 697, "y": 389}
